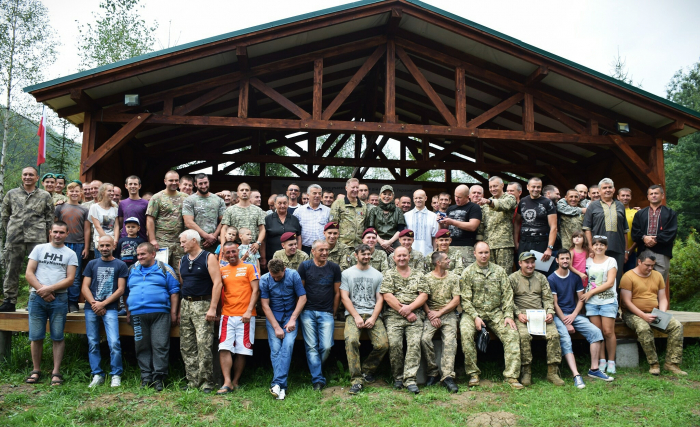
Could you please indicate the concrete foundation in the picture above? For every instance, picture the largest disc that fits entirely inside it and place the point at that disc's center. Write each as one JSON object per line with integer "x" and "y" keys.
{"x": 627, "y": 355}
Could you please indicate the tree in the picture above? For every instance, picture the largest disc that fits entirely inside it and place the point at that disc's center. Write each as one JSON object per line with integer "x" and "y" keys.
{"x": 619, "y": 70}
{"x": 118, "y": 33}
{"x": 27, "y": 49}
{"x": 682, "y": 161}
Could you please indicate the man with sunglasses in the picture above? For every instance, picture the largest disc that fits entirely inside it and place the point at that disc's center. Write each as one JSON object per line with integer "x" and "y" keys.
{"x": 294, "y": 193}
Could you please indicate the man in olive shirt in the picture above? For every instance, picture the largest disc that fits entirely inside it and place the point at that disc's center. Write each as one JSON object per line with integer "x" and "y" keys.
{"x": 338, "y": 253}
{"x": 405, "y": 292}
{"x": 531, "y": 292}
{"x": 290, "y": 255}
{"x": 487, "y": 301}
{"x": 416, "y": 260}
{"x": 443, "y": 240}
{"x": 497, "y": 221}
{"x": 350, "y": 214}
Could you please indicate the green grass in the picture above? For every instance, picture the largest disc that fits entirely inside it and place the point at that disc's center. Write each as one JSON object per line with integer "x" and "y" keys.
{"x": 634, "y": 398}
{"x": 689, "y": 304}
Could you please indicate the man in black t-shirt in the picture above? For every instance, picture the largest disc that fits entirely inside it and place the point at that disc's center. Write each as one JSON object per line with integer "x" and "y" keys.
{"x": 538, "y": 217}
{"x": 321, "y": 279}
{"x": 462, "y": 220}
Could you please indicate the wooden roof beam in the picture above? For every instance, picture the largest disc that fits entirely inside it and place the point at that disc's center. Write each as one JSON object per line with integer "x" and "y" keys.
{"x": 123, "y": 135}
{"x": 537, "y": 76}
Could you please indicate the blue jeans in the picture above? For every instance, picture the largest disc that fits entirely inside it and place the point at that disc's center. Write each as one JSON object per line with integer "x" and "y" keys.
{"x": 74, "y": 289}
{"x": 92, "y": 330}
{"x": 280, "y": 353}
{"x": 40, "y": 311}
{"x": 581, "y": 325}
{"x": 317, "y": 328}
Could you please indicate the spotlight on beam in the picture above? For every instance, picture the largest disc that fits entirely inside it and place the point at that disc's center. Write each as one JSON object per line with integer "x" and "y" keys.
{"x": 623, "y": 127}
{"x": 131, "y": 100}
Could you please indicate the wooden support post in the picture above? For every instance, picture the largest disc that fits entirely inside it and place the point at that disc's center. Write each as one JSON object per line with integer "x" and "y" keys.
{"x": 537, "y": 76}
{"x": 479, "y": 153}
{"x": 168, "y": 106}
{"x": 656, "y": 162}
{"x": 390, "y": 90}
{"x": 358, "y": 145}
{"x": 528, "y": 113}
{"x": 88, "y": 147}
{"x": 646, "y": 173}
{"x": 318, "y": 89}
{"x": 592, "y": 127}
{"x": 243, "y": 98}
{"x": 425, "y": 151}
{"x": 5, "y": 346}
{"x": 448, "y": 175}
{"x": 402, "y": 157}
{"x": 123, "y": 135}
{"x": 460, "y": 97}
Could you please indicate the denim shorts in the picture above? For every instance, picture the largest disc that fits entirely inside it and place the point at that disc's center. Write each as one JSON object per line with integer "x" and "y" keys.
{"x": 605, "y": 310}
{"x": 40, "y": 311}
{"x": 583, "y": 326}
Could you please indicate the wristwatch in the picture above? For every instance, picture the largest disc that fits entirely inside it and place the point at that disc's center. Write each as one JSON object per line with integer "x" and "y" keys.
{"x": 551, "y": 247}
{"x": 257, "y": 243}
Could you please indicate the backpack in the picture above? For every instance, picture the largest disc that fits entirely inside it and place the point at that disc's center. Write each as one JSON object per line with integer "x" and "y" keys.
{"x": 163, "y": 267}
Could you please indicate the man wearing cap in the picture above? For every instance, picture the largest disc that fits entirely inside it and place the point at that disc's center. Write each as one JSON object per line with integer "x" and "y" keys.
{"x": 462, "y": 219}
{"x": 312, "y": 216}
{"x": 487, "y": 302}
{"x": 338, "y": 252}
{"x": 443, "y": 299}
{"x": 423, "y": 223}
{"x": 405, "y": 292}
{"x": 497, "y": 221}
{"x": 379, "y": 259}
{"x": 531, "y": 292}
{"x": 290, "y": 255}
{"x": 388, "y": 221}
{"x": 442, "y": 243}
{"x": 416, "y": 259}
{"x": 350, "y": 214}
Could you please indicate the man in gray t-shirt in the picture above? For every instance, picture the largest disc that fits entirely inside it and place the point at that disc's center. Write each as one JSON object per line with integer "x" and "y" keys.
{"x": 359, "y": 291}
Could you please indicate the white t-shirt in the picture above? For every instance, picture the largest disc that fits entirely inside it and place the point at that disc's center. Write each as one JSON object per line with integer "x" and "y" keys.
{"x": 52, "y": 264}
{"x": 598, "y": 275}
{"x": 106, "y": 218}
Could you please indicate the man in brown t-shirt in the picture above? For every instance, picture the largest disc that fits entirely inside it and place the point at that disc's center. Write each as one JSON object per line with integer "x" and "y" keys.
{"x": 642, "y": 290}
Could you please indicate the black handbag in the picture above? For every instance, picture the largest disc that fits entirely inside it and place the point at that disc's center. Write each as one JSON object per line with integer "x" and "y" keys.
{"x": 482, "y": 340}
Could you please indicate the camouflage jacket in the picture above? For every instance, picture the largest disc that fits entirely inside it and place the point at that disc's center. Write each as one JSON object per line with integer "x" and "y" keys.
{"x": 58, "y": 196}
{"x": 416, "y": 260}
{"x": 567, "y": 226}
{"x": 294, "y": 261}
{"x": 351, "y": 220}
{"x": 342, "y": 255}
{"x": 441, "y": 290}
{"x": 405, "y": 290}
{"x": 498, "y": 222}
{"x": 486, "y": 293}
{"x": 531, "y": 293}
{"x": 379, "y": 260}
{"x": 26, "y": 217}
{"x": 565, "y": 209}
{"x": 457, "y": 264}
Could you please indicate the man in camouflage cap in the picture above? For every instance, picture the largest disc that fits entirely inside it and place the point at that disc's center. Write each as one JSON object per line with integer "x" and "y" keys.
{"x": 442, "y": 244}
{"x": 497, "y": 222}
{"x": 443, "y": 299}
{"x": 379, "y": 258}
{"x": 27, "y": 215}
{"x": 338, "y": 252}
{"x": 531, "y": 292}
{"x": 290, "y": 255}
{"x": 487, "y": 301}
{"x": 405, "y": 292}
{"x": 416, "y": 260}
{"x": 350, "y": 214}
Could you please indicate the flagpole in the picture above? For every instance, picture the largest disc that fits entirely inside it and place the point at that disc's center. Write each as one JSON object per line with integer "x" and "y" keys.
{"x": 40, "y": 123}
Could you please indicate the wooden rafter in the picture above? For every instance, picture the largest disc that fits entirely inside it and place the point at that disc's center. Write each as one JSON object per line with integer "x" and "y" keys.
{"x": 280, "y": 99}
{"x": 495, "y": 111}
{"x": 638, "y": 166}
{"x": 117, "y": 140}
{"x": 561, "y": 117}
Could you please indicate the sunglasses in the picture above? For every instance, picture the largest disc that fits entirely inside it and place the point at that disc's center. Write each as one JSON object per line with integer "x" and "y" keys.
{"x": 601, "y": 237}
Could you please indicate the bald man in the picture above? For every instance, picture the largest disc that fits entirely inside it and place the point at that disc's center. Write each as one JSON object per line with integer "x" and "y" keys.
{"x": 423, "y": 223}
{"x": 462, "y": 219}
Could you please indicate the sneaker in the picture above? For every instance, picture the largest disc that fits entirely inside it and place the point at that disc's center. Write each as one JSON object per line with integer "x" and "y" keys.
{"x": 602, "y": 365}
{"x": 281, "y": 395}
{"x": 121, "y": 312}
{"x": 398, "y": 384}
{"x": 599, "y": 375}
{"x": 96, "y": 380}
{"x": 355, "y": 389}
{"x": 611, "y": 368}
{"x": 275, "y": 390}
{"x": 369, "y": 378}
{"x": 73, "y": 307}
{"x": 116, "y": 381}
{"x": 412, "y": 388}
{"x": 432, "y": 381}
{"x": 7, "y": 307}
{"x": 578, "y": 382}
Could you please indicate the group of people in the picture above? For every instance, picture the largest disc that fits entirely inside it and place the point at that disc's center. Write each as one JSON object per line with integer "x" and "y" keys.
{"x": 189, "y": 257}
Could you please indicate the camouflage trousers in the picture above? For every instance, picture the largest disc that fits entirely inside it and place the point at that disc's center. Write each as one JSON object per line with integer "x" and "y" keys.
{"x": 196, "y": 339}
{"x": 448, "y": 329}
{"x": 14, "y": 258}
{"x": 504, "y": 258}
{"x": 380, "y": 345}
{"x": 467, "y": 254}
{"x": 674, "y": 346}
{"x": 553, "y": 346}
{"x": 404, "y": 368}
{"x": 176, "y": 253}
{"x": 508, "y": 336}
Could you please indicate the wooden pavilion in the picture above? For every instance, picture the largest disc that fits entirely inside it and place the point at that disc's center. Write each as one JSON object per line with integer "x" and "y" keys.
{"x": 453, "y": 94}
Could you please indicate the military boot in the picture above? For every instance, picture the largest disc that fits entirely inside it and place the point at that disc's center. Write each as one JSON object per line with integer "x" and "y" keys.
{"x": 553, "y": 374}
{"x": 525, "y": 375}
{"x": 674, "y": 369}
{"x": 654, "y": 369}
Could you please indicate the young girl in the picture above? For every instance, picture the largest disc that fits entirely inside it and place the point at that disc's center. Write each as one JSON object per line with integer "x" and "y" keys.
{"x": 579, "y": 254}
{"x": 244, "y": 249}
{"x": 103, "y": 215}
{"x": 601, "y": 298}
{"x": 231, "y": 236}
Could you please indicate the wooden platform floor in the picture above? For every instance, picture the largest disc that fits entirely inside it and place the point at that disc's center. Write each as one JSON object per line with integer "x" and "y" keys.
{"x": 75, "y": 324}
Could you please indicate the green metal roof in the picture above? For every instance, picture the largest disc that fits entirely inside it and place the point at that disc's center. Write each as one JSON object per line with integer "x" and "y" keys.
{"x": 352, "y": 6}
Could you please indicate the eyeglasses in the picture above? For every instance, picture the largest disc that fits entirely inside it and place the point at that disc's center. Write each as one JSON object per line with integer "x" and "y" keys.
{"x": 189, "y": 267}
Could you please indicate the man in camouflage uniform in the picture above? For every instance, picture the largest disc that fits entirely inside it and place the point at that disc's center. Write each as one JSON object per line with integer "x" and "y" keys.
{"x": 497, "y": 221}
{"x": 570, "y": 217}
{"x": 531, "y": 292}
{"x": 27, "y": 215}
{"x": 416, "y": 260}
{"x": 49, "y": 183}
{"x": 405, "y": 292}
{"x": 244, "y": 214}
{"x": 487, "y": 301}
{"x": 379, "y": 258}
{"x": 442, "y": 244}
{"x": 289, "y": 254}
{"x": 443, "y": 299}
{"x": 359, "y": 292}
{"x": 338, "y": 252}
{"x": 164, "y": 218}
{"x": 350, "y": 214}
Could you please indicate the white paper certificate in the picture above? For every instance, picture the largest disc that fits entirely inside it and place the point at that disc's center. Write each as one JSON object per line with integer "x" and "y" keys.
{"x": 535, "y": 322}
{"x": 163, "y": 254}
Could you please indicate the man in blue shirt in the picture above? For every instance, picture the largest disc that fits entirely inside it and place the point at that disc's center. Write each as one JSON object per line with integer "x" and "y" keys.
{"x": 282, "y": 296}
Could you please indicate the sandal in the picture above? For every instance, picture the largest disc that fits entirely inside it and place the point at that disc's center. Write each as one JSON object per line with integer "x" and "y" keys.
{"x": 31, "y": 379}
{"x": 224, "y": 390}
{"x": 59, "y": 381}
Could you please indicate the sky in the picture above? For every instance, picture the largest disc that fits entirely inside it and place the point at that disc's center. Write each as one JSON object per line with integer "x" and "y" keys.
{"x": 655, "y": 38}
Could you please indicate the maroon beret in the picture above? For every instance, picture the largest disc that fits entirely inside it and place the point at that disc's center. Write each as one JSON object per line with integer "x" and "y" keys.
{"x": 330, "y": 225}
{"x": 443, "y": 232}
{"x": 369, "y": 231}
{"x": 407, "y": 232}
{"x": 287, "y": 236}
